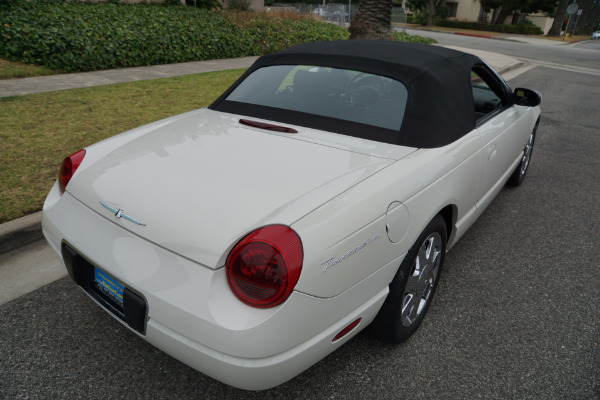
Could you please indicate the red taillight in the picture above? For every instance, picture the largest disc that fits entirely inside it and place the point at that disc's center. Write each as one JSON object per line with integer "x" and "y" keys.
{"x": 264, "y": 267}
{"x": 68, "y": 168}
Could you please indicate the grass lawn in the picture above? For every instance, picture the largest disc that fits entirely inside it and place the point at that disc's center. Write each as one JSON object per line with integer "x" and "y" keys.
{"x": 14, "y": 69}
{"x": 37, "y": 131}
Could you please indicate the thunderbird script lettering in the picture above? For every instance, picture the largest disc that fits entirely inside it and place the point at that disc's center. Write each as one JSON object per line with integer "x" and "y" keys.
{"x": 334, "y": 260}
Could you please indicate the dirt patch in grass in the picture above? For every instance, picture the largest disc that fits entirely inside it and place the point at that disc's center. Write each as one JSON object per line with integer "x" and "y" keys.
{"x": 14, "y": 70}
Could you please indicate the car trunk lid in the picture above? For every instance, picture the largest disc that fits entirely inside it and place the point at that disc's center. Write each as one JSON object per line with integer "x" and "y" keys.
{"x": 200, "y": 183}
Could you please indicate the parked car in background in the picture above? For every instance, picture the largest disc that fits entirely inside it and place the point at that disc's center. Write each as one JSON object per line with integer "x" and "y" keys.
{"x": 317, "y": 195}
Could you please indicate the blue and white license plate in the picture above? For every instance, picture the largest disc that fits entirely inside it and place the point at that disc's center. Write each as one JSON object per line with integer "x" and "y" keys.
{"x": 112, "y": 288}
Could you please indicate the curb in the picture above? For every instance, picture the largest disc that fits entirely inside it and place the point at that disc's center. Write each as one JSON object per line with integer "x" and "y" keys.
{"x": 20, "y": 232}
{"x": 506, "y": 39}
{"x": 474, "y": 35}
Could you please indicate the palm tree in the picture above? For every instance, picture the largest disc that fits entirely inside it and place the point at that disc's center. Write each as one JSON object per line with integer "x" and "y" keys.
{"x": 373, "y": 20}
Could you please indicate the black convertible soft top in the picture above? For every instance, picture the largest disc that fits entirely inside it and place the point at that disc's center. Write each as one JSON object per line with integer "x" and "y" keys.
{"x": 439, "y": 107}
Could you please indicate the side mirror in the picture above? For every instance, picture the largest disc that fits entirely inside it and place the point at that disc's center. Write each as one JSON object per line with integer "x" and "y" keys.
{"x": 527, "y": 97}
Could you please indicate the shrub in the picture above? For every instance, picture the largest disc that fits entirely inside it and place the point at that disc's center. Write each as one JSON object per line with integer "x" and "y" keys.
{"x": 405, "y": 37}
{"x": 206, "y": 4}
{"x": 420, "y": 18}
{"x": 243, "y": 5}
{"x": 84, "y": 37}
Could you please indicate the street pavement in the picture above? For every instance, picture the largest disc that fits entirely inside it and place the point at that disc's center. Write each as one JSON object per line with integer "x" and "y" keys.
{"x": 24, "y": 271}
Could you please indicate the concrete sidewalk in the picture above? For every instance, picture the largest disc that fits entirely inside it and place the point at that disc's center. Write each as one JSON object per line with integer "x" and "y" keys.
{"x": 521, "y": 39}
{"x": 23, "y": 231}
{"x": 15, "y": 87}
{"x": 513, "y": 37}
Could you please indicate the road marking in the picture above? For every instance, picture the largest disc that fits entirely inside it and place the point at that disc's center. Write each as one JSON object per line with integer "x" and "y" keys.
{"x": 518, "y": 71}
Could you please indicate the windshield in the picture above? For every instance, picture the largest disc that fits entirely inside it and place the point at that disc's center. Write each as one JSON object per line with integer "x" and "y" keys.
{"x": 327, "y": 92}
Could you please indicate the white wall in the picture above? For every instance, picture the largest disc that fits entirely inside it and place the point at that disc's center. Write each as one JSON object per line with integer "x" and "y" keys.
{"x": 468, "y": 10}
{"x": 545, "y": 23}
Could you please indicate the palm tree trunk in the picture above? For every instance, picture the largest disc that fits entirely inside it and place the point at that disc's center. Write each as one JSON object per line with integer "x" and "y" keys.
{"x": 372, "y": 20}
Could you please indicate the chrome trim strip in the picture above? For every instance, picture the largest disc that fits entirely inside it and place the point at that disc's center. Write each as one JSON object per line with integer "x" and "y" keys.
{"x": 120, "y": 214}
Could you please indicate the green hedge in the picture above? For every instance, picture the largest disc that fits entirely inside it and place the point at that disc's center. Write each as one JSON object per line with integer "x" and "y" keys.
{"x": 523, "y": 29}
{"x": 405, "y": 37}
{"x": 84, "y": 36}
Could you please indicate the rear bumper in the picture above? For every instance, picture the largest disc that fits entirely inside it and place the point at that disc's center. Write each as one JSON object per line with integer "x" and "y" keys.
{"x": 193, "y": 316}
{"x": 262, "y": 373}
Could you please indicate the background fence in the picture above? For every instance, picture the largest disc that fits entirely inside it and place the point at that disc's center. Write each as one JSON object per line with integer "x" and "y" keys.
{"x": 336, "y": 13}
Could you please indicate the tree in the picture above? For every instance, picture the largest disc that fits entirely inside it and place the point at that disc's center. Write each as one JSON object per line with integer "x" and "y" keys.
{"x": 489, "y": 5}
{"x": 373, "y": 20}
{"x": 589, "y": 19}
{"x": 508, "y": 7}
{"x": 558, "y": 18}
{"x": 429, "y": 6}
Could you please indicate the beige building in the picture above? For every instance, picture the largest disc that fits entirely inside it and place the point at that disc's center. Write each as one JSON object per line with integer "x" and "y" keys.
{"x": 465, "y": 10}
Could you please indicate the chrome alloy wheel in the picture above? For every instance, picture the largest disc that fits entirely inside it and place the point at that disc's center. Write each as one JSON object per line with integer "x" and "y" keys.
{"x": 421, "y": 280}
{"x": 527, "y": 154}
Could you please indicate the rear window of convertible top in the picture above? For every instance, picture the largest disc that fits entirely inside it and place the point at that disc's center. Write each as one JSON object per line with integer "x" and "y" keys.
{"x": 328, "y": 92}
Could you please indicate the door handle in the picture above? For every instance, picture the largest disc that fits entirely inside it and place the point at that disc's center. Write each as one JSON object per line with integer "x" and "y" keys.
{"x": 492, "y": 150}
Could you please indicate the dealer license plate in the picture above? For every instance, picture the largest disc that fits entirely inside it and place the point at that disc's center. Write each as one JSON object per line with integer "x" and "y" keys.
{"x": 109, "y": 286}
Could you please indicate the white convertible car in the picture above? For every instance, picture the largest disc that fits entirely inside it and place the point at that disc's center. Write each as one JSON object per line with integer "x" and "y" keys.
{"x": 316, "y": 196}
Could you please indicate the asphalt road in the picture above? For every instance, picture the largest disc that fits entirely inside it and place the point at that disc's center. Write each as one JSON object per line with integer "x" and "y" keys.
{"x": 516, "y": 315}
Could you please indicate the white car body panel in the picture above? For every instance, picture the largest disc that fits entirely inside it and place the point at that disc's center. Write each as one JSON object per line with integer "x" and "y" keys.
{"x": 502, "y": 138}
{"x": 362, "y": 210}
{"x": 194, "y": 316}
{"x": 192, "y": 313}
{"x": 357, "y": 205}
{"x": 210, "y": 197}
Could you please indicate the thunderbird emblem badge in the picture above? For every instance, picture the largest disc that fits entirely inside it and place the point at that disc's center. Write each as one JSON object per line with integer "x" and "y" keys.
{"x": 120, "y": 214}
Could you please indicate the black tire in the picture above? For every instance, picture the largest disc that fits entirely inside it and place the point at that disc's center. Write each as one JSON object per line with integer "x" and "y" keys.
{"x": 518, "y": 175}
{"x": 413, "y": 287}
